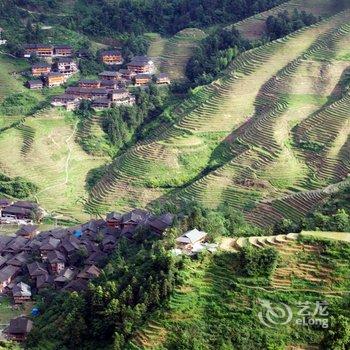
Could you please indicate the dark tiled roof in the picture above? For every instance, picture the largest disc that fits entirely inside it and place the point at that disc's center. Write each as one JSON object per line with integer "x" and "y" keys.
{"x": 20, "y": 325}
{"x": 55, "y": 256}
{"x": 36, "y": 269}
{"x": 7, "y": 272}
{"x": 27, "y": 230}
{"x": 110, "y": 53}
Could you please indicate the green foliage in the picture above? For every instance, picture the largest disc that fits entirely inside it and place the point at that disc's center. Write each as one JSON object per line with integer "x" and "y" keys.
{"x": 138, "y": 278}
{"x": 123, "y": 124}
{"x": 9, "y": 345}
{"x": 334, "y": 215}
{"x": 17, "y": 187}
{"x": 214, "y": 54}
{"x": 284, "y": 23}
{"x": 338, "y": 334}
{"x": 104, "y": 17}
{"x": 255, "y": 262}
{"x": 18, "y": 103}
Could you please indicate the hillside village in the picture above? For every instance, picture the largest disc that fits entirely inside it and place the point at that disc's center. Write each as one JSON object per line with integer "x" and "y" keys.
{"x": 60, "y": 62}
{"x": 65, "y": 258}
{"x": 68, "y": 258}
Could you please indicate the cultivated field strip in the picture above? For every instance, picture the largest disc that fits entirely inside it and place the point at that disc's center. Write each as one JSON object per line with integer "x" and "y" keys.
{"x": 254, "y": 107}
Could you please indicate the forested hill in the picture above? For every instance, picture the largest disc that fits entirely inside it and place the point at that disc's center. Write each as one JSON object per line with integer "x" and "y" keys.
{"x": 99, "y": 17}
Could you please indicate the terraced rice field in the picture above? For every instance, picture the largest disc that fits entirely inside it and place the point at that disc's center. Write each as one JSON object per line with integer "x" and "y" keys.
{"x": 213, "y": 291}
{"x": 42, "y": 150}
{"x": 171, "y": 55}
{"x": 300, "y": 265}
{"x": 243, "y": 132}
{"x": 253, "y": 28}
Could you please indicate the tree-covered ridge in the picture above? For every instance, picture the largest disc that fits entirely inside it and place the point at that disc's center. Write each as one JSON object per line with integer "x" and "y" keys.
{"x": 138, "y": 16}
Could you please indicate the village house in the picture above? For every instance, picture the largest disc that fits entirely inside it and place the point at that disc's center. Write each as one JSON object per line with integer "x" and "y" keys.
{"x": 19, "y": 329}
{"x": 89, "y": 272}
{"x": 49, "y": 244}
{"x": 84, "y": 93}
{"x": 54, "y": 79}
{"x": 189, "y": 239}
{"x": 159, "y": 224}
{"x": 7, "y": 275}
{"x": 119, "y": 94}
{"x": 109, "y": 84}
{"x": 127, "y": 74}
{"x": 114, "y": 219}
{"x": 40, "y": 68}
{"x": 29, "y": 231}
{"x": 101, "y": 103}
{"x": 19, "y": 260}
{"x": 40, "y": 50}
{"x": 21, "y": 293}
{"x": 35, "y": 84}
{"x": 142, "y": 79}
{"x": 70, "y": 102}
{"x": 141, "y": 64}
{"x": 162, "y": 79}
{"x": 112, "y": 57}
{"x": 63, "y": 50}
{"x": 110, "y": 75}
{"x": 57, "y": 261}
{"x": 99, "y": 93}
{"x": 16, "y": 212}
{"x": 91, "y": 84}
{"x": 36, "y": 269}
{"x": 66, "y": 66}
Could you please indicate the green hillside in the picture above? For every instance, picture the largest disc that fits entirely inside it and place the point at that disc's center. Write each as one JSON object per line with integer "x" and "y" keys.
{"x": 247, "y": 138}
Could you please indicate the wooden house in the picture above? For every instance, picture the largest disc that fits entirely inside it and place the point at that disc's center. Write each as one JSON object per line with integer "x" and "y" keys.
{"x": 36, "y": 269}
{"x": 110, "y": 75}
{"x": 92, "y": 84}
{"x": 56, "y": 261}
{"x": 35, "y": 84}
{"x": 84, "y": 93}
{"x": 89, "y": 272}
{"x": 112, "y": 57}
{"x": 41, "y": 68}
{"x": 63, "y": 50}
{"x": 99, "y": 93}
{"x": 21, "y": 293}
{"x": 19, "y": 329}
{"x": 114, "y": 219}
{"x": 162, "y": 79}
{"x": 70, "y": 102}
{"x": 15, "y": 212}
{"x": 54, "y": 79}
{"x": 29, "y": 231}
{"x": 127, "y": 74}
{"x": 101, "y": 103}
{"x": 142, "y": 79}
{"x": 40, "y": 50}
{"x": 66, "y": 66}
{"x": 109, "y": 84}
{"x": 7, "y": 275}
{"x": 141, "y": 64}
{"x": 190, "y": 238}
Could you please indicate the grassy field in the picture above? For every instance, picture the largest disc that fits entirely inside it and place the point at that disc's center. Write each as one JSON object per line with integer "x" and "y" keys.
{"x": 338, "y": 236}
{"x": 43, "y": 150}
{"x": 238, "y": 140}
{"x": 214, "y": 298}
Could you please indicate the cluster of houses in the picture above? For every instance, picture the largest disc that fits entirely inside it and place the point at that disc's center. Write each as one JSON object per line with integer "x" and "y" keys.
{"x": 66, "y": 258}
{"x": 19, "y": 212}
{"x": 105, "y": 93}
{"x": 52, "y": 72}
{"x": 111, "y": 88}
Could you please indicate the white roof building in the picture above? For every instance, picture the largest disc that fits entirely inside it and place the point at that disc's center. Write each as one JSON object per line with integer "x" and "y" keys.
{"x": 191, "y": 237}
